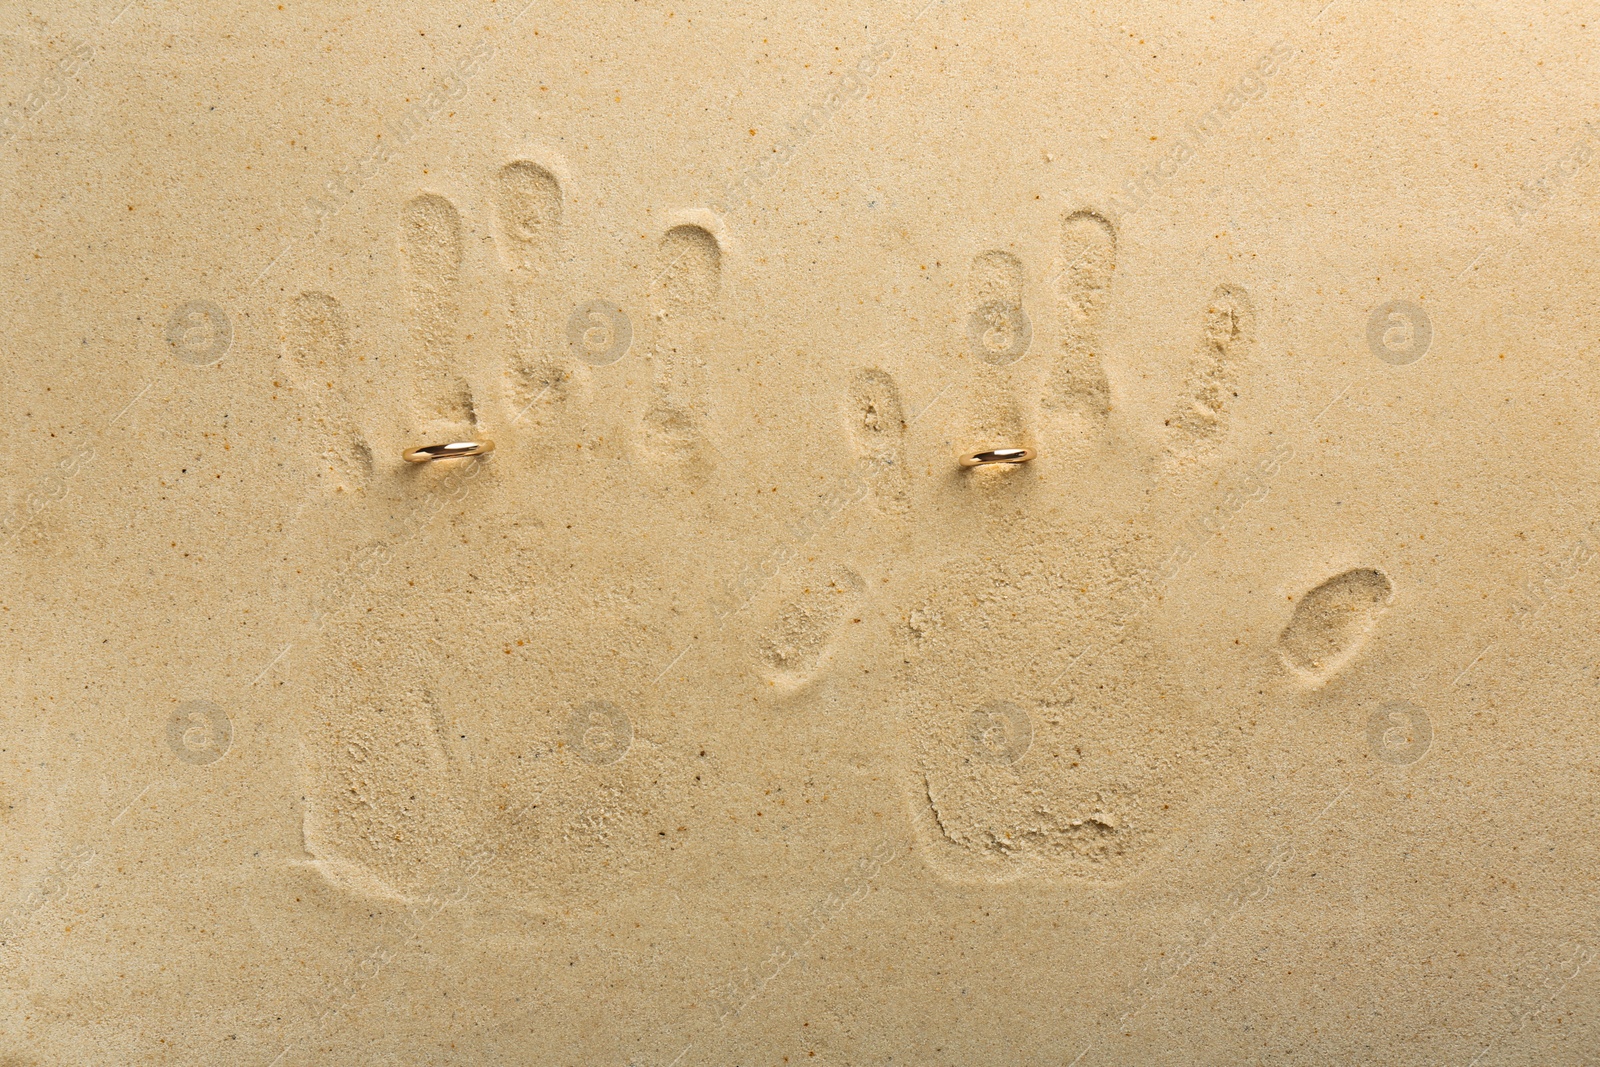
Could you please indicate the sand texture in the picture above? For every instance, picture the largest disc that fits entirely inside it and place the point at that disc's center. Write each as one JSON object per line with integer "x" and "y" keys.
{"x": 719, "y": 716}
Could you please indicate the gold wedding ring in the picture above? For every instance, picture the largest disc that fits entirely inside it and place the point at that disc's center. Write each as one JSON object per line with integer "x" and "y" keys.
{"x": 997, "y": 455}
{"x": 453, "y": 450}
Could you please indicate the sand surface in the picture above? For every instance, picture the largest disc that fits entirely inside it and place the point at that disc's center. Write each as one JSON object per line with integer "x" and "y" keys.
{"x": 719, "y": 716}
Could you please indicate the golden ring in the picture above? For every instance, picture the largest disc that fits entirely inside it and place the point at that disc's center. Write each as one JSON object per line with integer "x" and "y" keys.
{"x": 453, "y": 450}
{"x": 997, "y": 455}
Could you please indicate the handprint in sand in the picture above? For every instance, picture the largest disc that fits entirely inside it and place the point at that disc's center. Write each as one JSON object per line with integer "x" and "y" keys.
{"x": 501, "y": 653}
{"x": 1050, "y": 725}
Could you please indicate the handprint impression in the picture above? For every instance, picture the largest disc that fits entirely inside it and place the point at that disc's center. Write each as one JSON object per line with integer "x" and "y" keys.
{"x": 1070, "y": 761}
{"x": 497, "y": 662}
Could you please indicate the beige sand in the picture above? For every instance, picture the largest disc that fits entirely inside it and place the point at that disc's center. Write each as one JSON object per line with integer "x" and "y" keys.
{"x": 720, "y": 717}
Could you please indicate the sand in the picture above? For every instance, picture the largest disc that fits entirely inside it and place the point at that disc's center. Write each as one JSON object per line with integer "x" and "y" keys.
{"x": 719, "y": 716}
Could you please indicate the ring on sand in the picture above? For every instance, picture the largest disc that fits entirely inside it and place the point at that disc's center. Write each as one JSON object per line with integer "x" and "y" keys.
{"x": 997, "y": 455}
{"x": 453, "y": 450}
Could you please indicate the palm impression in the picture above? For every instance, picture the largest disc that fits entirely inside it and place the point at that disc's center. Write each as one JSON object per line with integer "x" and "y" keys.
{"x": 1075, "y": 761}
{"x": 494, "y": 648}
